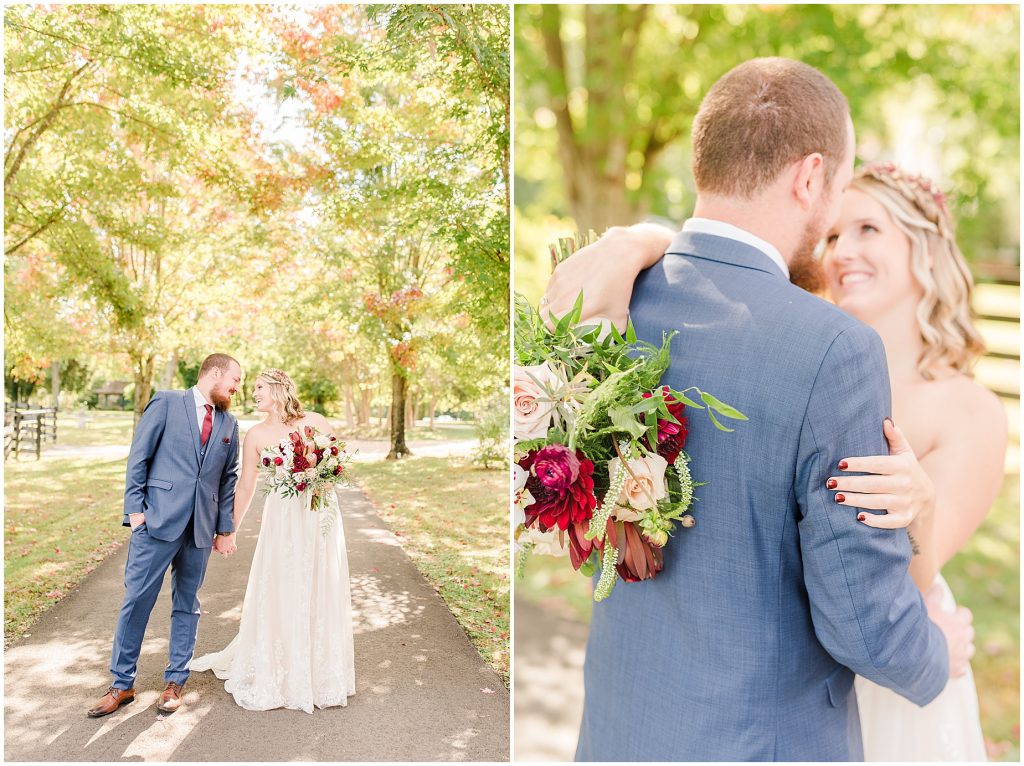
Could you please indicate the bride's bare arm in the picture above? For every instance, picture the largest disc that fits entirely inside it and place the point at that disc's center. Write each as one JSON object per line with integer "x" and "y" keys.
{"x": 966, "y": 468}
{"x": 246, "y": 486}
{"x": 605, "y": 271}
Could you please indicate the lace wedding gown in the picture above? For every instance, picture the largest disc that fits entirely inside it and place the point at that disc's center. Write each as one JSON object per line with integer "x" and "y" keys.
{"x": 294, "y": 645}
{"x": 947, "y": 729}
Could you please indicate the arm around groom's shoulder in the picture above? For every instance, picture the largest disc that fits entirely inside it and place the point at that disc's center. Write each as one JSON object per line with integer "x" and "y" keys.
{"x": 148, "y": 432}
{"x": 867, "y": 612}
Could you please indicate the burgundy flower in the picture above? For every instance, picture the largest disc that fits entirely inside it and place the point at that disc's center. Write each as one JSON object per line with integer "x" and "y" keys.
{"x": 301, "y": 487}
{"x": 337, "y": 470}
{"x": 334, "y": 450}
{"x": 562, "y": 486}
{"x": 299, "y": 463}
{"x": 671, "y": 436}
{"x": 266, "y": 461}
{"x": 278, "y": 461}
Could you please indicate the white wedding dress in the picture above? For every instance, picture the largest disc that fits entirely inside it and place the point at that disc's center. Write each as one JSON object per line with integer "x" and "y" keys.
{"x": 294, "y": 646}
{"x": 947, "y": 729}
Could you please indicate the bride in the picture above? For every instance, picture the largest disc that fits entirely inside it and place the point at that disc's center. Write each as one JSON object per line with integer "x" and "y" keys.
{"x": 891, "y": 261}
{"x": 294, "y": 646}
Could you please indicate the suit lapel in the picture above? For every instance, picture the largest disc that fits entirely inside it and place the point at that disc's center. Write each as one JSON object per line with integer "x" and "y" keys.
{"x": 190, "y": 410}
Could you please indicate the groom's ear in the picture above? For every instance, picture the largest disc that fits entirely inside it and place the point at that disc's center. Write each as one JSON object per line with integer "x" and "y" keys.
{"x": 809, "y": 180}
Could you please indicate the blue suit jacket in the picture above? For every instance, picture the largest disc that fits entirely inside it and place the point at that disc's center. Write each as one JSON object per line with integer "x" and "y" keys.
{"x": 746, "y": 645}
{"x": 172, "y": 478}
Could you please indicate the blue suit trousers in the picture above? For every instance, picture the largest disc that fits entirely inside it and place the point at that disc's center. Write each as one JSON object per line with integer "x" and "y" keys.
{"x": 148, "y": 560}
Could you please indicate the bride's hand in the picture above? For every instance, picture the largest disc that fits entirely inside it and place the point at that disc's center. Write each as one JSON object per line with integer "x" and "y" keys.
{"x": 605, "y": 271}
{"x": 897, "y": 484}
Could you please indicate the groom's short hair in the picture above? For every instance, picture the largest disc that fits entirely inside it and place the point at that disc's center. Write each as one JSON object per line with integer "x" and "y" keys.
{"x": 760, "y": 117}
{"x": 219, "y": 361}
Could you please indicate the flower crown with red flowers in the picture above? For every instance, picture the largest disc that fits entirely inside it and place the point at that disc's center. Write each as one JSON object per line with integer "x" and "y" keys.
{"x": 922, "y": 191}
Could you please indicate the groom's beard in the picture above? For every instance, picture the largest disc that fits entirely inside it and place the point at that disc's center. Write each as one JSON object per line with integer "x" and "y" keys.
{"x": 804, "y": 269}
{"x": 221, "y": 400}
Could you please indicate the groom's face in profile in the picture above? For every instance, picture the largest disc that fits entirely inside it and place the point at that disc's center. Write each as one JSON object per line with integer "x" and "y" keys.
{"x": 804, "y": 269}
{"x": 226, "y": 384}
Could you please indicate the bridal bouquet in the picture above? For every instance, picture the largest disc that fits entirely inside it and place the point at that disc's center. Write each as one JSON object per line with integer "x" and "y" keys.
{"x": 600, "y": 472}
{"x": 310, "y": 461}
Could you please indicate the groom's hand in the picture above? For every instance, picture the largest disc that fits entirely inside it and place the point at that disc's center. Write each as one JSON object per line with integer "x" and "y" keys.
{"x": 136, "y": 520}
{"x": 224, "y": 544}
{"x": 957, "y": 628}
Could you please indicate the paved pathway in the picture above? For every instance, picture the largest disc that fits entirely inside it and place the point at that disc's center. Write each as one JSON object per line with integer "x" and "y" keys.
{"x": 422, "y": 691}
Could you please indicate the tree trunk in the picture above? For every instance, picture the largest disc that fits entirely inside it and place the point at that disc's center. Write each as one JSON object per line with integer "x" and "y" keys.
{"x": 397, "y": 429}
{"x": 167, "y": 381}
{"x": 143, "y": 373}
{"x": 350, "y": 408}
{"x": 410, "y": 411}
{"x": 433, "y": 409}
{"x": 364, "y": 407}
{"x": 55, "y": 384}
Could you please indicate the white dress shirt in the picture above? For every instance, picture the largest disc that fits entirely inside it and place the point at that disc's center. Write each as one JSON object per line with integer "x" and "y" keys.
{"x": 722, "y": 229}
{"x": 201, "y": 407}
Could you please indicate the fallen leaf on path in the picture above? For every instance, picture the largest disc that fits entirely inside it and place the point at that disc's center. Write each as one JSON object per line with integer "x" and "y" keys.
{"x": 487, "y": 691}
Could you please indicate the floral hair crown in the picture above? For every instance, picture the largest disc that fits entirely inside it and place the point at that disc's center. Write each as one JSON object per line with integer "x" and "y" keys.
{"x": 277, "y": 376}
{"x": 918, "y": 189}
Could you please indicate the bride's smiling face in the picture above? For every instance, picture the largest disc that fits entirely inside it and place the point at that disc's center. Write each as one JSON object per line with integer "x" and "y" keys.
{"x": 867, "y": 260}
{"x": 261, "y": 396}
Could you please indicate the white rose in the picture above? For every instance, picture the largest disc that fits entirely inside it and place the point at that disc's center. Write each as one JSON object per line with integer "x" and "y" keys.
{"x": 643, "y": 489}
{"x": 321, "y": 441}
{"x": 532, "y": 416}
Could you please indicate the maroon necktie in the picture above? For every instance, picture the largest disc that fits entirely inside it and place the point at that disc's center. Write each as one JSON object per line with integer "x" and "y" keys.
{"x": 207, "y": 425}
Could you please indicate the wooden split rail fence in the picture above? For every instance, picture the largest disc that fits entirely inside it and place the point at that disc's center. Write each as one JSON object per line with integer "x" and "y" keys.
{"x": 28, "y": 430}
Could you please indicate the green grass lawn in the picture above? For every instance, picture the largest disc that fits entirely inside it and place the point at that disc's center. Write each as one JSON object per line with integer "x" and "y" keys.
{"x": 62, "y": 517}
{"x": 984, "y": 576}
{"x": 452, "y": 518}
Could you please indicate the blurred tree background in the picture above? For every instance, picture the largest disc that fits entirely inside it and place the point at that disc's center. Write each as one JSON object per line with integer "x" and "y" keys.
{"x": 322, "y": 189}
{"x": 605, "y": 98}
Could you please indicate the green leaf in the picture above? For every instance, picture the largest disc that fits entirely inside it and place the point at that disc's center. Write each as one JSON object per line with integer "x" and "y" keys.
{"x": 721, "y": 407}
{"x": 624, "y": 420}
{"x": 718, "y": 425}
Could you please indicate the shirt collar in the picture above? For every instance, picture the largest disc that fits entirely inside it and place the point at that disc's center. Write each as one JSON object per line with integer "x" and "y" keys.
{"x": 200, "y": 399}
{"x": 723, "y": 229}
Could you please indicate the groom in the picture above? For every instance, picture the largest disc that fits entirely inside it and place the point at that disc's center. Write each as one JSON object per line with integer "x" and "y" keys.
{"x": 746, "y": 645}
{"x": 179, "y": 493}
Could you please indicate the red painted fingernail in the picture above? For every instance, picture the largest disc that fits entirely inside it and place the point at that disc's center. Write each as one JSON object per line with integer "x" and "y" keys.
{"x": 840, "y": 498}
{"x": 842, "y": 465}
{"x": 861, "y": 517}
{"x": 831, "y": 483}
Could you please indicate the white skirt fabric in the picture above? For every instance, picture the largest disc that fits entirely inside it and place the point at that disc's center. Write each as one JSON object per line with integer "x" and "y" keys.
{"x": 294, "y": 647}
{"x": 947, "y": 729}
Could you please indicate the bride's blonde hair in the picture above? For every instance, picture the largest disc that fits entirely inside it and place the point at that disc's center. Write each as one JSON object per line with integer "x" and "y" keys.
{"x": 944, "y": 315}
{"x": 283, "y": 394}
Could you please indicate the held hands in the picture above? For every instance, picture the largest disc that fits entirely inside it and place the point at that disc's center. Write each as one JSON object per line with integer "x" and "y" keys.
{"x": 898, "y": 484}
{"x": 957, "y": 628}
{"x": 136, "y": 520}
{"x": 225, "y": 544}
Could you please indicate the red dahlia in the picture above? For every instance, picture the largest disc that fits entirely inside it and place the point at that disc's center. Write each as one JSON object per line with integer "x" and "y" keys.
{"x": 671, "y": 436}
{"x": 562, "y": 486}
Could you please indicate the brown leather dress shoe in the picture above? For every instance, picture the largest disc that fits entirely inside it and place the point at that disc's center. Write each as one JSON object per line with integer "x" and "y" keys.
{"x": 170, "y": 700}
{"x": 111, "y": 701}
